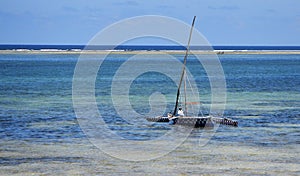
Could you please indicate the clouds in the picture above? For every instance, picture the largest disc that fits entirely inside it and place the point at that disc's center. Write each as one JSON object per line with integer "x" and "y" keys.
{"x": 127, "y": 3}
{"x": 67, "y": 8}
{"x": 224, "y": 7}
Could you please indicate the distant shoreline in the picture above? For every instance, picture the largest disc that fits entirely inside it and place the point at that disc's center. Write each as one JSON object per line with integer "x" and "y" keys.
{"x": 219, "y": 52}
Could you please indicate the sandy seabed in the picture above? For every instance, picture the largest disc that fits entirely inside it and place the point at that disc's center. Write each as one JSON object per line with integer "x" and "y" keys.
{"x": 216, "y": 158}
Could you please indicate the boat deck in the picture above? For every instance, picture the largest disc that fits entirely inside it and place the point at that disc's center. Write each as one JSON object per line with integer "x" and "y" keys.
{"x": 194, "y": 121}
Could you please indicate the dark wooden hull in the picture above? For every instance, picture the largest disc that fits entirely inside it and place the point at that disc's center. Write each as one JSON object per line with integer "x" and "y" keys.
{"x": 196, "y": 122}
{"x": 158, "y": 119}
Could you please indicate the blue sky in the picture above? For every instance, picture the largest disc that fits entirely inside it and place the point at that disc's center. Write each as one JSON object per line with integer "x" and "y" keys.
{"x": 222, "y": 22}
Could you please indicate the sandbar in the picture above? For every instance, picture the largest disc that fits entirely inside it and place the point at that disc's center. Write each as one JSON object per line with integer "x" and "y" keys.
{"x": 150, "y": 52}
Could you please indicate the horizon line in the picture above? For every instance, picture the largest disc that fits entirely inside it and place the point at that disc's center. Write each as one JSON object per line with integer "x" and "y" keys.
{"x": 3, "y": 44}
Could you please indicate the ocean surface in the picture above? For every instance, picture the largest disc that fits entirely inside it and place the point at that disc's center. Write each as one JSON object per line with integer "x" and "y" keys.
{"x": 143, "y": 47}
{"x": 40, "y": 134}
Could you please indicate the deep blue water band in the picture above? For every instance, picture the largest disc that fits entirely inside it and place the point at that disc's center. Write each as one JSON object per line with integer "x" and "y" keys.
{"x": 144, "y": 47}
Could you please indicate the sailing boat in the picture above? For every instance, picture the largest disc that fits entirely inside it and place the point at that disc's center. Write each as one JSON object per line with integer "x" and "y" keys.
{"x": 178, "y": 117}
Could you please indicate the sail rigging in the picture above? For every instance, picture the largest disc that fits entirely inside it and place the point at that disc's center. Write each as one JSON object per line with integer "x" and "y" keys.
{"x": 188, "y": 120}
{"x": 183, "y": 67}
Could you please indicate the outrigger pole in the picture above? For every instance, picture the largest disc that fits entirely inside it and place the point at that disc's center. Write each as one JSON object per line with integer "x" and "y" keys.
{"x": 183, "y": 67}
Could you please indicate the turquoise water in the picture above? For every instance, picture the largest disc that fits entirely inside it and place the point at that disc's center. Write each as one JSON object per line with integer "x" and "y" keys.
{"x": 40, "y": 134}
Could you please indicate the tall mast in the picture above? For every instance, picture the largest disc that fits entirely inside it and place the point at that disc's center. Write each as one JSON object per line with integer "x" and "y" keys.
{"x": 183, "y": 67}
{"x": 184, "y": 83}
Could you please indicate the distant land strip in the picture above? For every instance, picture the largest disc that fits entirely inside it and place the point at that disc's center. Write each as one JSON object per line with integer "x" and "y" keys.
{"x": 196, "y": 52}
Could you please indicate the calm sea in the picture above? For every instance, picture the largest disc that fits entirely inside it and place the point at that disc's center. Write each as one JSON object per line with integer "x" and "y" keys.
{"x": 144, "y": 47}
{"x": 40, "y": 134}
